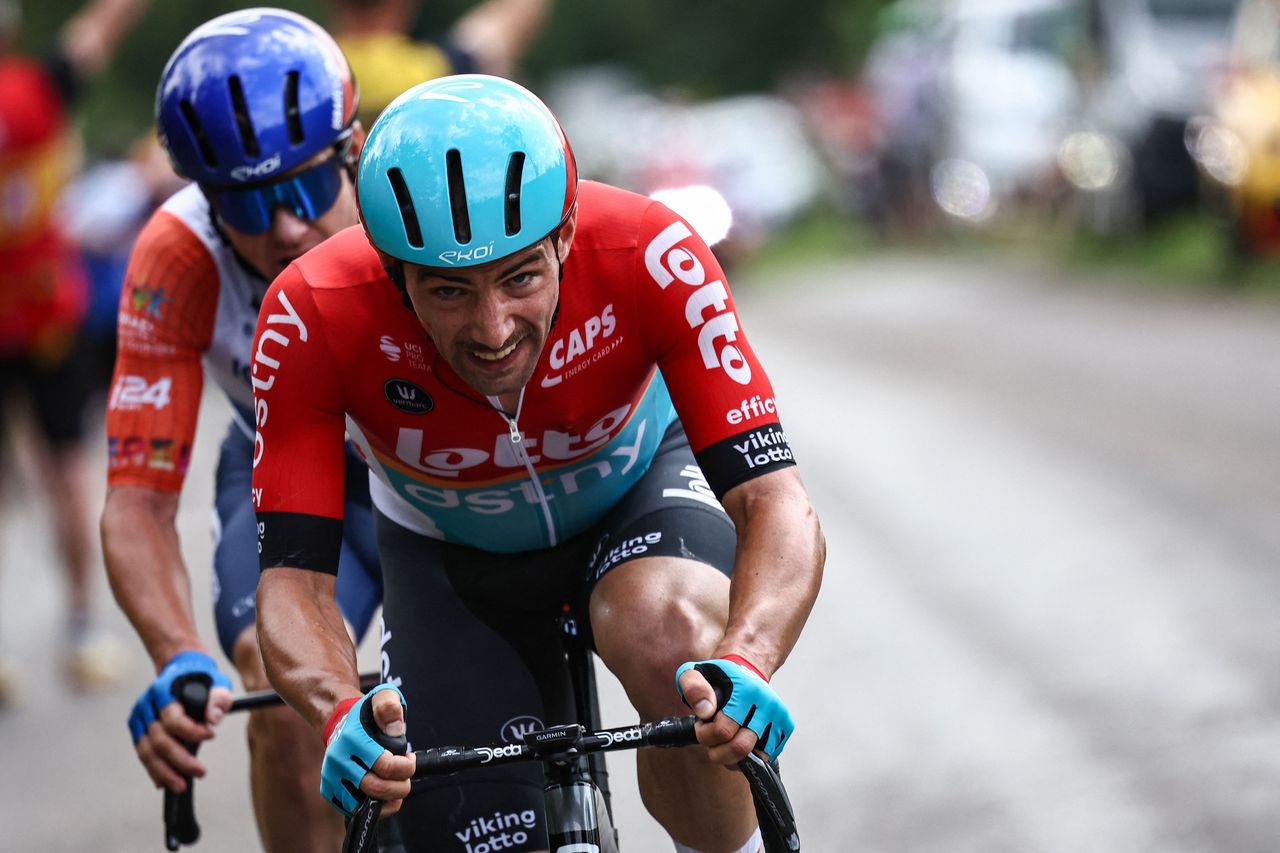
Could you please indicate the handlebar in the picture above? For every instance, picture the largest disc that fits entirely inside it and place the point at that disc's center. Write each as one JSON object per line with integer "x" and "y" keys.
{"x": 773, "y": 808}
{"x": 180, "y": 825}
{"x": 555, "y": 743}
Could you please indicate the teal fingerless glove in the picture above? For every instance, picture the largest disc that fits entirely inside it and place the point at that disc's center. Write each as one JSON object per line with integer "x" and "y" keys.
{"x": 354, "y": 744}
{"x": 748, "y": 700}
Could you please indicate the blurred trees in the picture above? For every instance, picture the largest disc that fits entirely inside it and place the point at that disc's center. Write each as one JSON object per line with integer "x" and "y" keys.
{"x": 705, "y": 48}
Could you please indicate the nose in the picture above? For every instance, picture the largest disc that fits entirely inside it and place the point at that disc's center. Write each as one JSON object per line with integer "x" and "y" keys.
{"x": 289, "y": 229}
{"x": 493, "y": 322}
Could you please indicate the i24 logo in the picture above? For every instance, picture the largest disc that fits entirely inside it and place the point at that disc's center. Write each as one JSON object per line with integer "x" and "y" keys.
{"x": 133, "y": 392}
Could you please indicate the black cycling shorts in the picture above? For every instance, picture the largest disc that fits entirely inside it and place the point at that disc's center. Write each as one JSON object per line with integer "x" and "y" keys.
{"x": 471, "y": 639}
{"x": 56, "y": 394}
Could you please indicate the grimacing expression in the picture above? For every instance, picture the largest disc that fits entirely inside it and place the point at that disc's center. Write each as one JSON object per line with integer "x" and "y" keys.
{"x": 490, "y": 322}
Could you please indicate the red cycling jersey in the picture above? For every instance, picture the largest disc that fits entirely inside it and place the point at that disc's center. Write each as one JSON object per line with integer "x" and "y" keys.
{"x": 646, "y": 331}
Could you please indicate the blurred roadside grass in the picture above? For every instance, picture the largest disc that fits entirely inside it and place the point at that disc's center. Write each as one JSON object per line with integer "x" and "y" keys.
{"x": 1191, "y": 252}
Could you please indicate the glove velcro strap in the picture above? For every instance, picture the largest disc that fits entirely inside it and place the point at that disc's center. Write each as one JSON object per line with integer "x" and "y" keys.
{"x": 336, "y": 717}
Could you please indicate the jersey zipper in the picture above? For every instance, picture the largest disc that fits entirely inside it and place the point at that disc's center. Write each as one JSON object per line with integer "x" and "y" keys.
{"x": 517, "y": 447}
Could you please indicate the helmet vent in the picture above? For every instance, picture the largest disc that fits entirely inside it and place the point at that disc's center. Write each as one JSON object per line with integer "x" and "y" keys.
{"x": 412, "y": 230}
{"x": 197, "y": 130}
{"x": 292, "y": 115}
{"x": 457, "y": 196}
{"x": 511, "y": 199}
{"x": 241, "y": 108}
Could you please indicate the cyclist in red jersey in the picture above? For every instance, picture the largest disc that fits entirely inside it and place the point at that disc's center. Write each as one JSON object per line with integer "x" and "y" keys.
{"x": 43, "y": 291}
{"x": 552, "y": 387}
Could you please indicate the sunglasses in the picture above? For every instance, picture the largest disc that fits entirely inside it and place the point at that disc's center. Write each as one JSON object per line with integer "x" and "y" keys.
{"x": 308, "y": 195}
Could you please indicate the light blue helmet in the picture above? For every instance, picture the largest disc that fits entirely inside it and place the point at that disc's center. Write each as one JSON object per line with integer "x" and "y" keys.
{"x": 464, "y": 170}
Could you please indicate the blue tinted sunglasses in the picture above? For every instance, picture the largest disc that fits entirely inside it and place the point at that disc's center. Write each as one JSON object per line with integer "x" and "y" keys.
{"x": 308, "y": 194}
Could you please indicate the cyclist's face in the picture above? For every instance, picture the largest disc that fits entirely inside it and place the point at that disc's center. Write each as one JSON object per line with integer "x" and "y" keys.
{"x": 289, "y": 235}
{"x": 490, "y": 322}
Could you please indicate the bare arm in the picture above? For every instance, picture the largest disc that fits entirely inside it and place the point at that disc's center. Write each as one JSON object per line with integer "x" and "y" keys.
{"x": 496, "y": 32}
{"x": 145, "y": 567}
{"x": 781, "y": 552}
{"x": 89, "y": 40}
{"x": 309, "y": 656}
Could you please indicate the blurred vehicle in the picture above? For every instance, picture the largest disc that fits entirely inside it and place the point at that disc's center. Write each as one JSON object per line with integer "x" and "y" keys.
{"x": 750, "y": 149}
{"x": 1237, "y": 144}
{"x": 1150, "y": 67}
{"x": 975, "y": 97}
{"x": 1009, "y": 95}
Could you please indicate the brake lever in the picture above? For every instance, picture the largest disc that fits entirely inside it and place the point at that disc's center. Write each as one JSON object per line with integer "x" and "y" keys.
{"x": 773, "y": 807}
{"x": 361, "y": 835}
{"x": 180, "y": 824}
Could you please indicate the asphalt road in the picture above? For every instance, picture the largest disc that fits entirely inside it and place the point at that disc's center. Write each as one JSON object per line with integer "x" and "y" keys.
{"x": 1049, "y": 615}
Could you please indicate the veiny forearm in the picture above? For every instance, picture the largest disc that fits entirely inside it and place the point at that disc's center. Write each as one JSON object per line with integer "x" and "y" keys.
{"x": 781, "y": 552}
{"x": 309, "y": 656}
{"x": 145, "y": 568}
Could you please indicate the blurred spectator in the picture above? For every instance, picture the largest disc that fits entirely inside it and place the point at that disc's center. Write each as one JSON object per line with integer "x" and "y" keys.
{"x": 902, "y": 77}
{"x": 375, "y": 36}
{"x": 43, "y": 293}
{"x": 102, "y": 211}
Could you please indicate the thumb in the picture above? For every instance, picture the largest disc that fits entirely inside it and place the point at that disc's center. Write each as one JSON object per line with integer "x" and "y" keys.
{"x": 698, "y": 694}
{"x": 219, "y": 705}
{"x": 388, "y": 713}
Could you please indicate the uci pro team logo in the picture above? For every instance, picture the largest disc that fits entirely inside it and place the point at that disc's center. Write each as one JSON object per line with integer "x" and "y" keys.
{"x": 407, "y": 397}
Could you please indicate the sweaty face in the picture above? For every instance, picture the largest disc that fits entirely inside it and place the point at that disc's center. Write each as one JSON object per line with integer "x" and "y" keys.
{"x": 289, "y": 235}
{"x": 490, "y": 322}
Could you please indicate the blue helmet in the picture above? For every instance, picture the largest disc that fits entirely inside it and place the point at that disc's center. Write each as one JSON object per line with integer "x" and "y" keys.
{"x": 464, "y": 170}
{"x": 252, "y": 94}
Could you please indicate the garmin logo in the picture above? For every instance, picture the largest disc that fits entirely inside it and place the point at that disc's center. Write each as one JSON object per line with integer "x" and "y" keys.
{"x": 252, "y": 173}
{"x": 407, "y": 397}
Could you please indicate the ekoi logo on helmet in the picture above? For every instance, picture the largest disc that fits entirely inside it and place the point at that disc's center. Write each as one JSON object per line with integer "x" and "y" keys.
{"x": 256, "y": 171}
{"x": 469, "y": 256}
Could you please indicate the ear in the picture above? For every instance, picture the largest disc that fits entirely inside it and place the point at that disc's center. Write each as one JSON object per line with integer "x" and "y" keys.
{"x": 357, "y": 140}
{"x": 567, "y": 230}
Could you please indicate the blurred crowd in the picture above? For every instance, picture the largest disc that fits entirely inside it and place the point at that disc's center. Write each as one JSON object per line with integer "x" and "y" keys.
{"x": 1104, "y": 116}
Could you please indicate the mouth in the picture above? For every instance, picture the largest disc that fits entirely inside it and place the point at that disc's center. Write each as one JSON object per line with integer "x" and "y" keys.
{"x": 498, "y": 355}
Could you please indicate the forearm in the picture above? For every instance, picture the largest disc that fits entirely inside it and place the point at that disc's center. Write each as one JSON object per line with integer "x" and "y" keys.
{"x": 781, "y": 552}
{"x": 309, "y": 656}
{"x": 145, "y": 569}
{"x": 90, "y": 39}
{"x": 497, "y": 32}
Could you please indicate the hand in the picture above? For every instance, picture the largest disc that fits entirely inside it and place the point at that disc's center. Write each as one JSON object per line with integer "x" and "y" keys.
{"x": 364, "y": 756}
{"x": 161, "y": 728}
{"x": 738, "y": 711}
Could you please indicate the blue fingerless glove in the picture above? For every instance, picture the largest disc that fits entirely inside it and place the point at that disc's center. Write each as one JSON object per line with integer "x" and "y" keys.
{"x": 748, "y": 700}
{"x": 352, "y": 750}
{"x": 162, "y": 691}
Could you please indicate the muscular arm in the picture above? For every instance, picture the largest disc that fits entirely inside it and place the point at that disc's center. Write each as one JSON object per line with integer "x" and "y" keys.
{"x": 781, "y": 551}
{"x": 309, "y": 656}
{"x": 146, "y": 570}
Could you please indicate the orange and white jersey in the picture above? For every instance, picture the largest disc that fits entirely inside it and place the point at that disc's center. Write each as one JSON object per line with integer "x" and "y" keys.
{"x": 186, "y": 299}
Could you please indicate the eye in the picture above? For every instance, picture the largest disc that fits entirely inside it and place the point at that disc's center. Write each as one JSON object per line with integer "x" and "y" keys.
{"x": 444, "y": 291}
